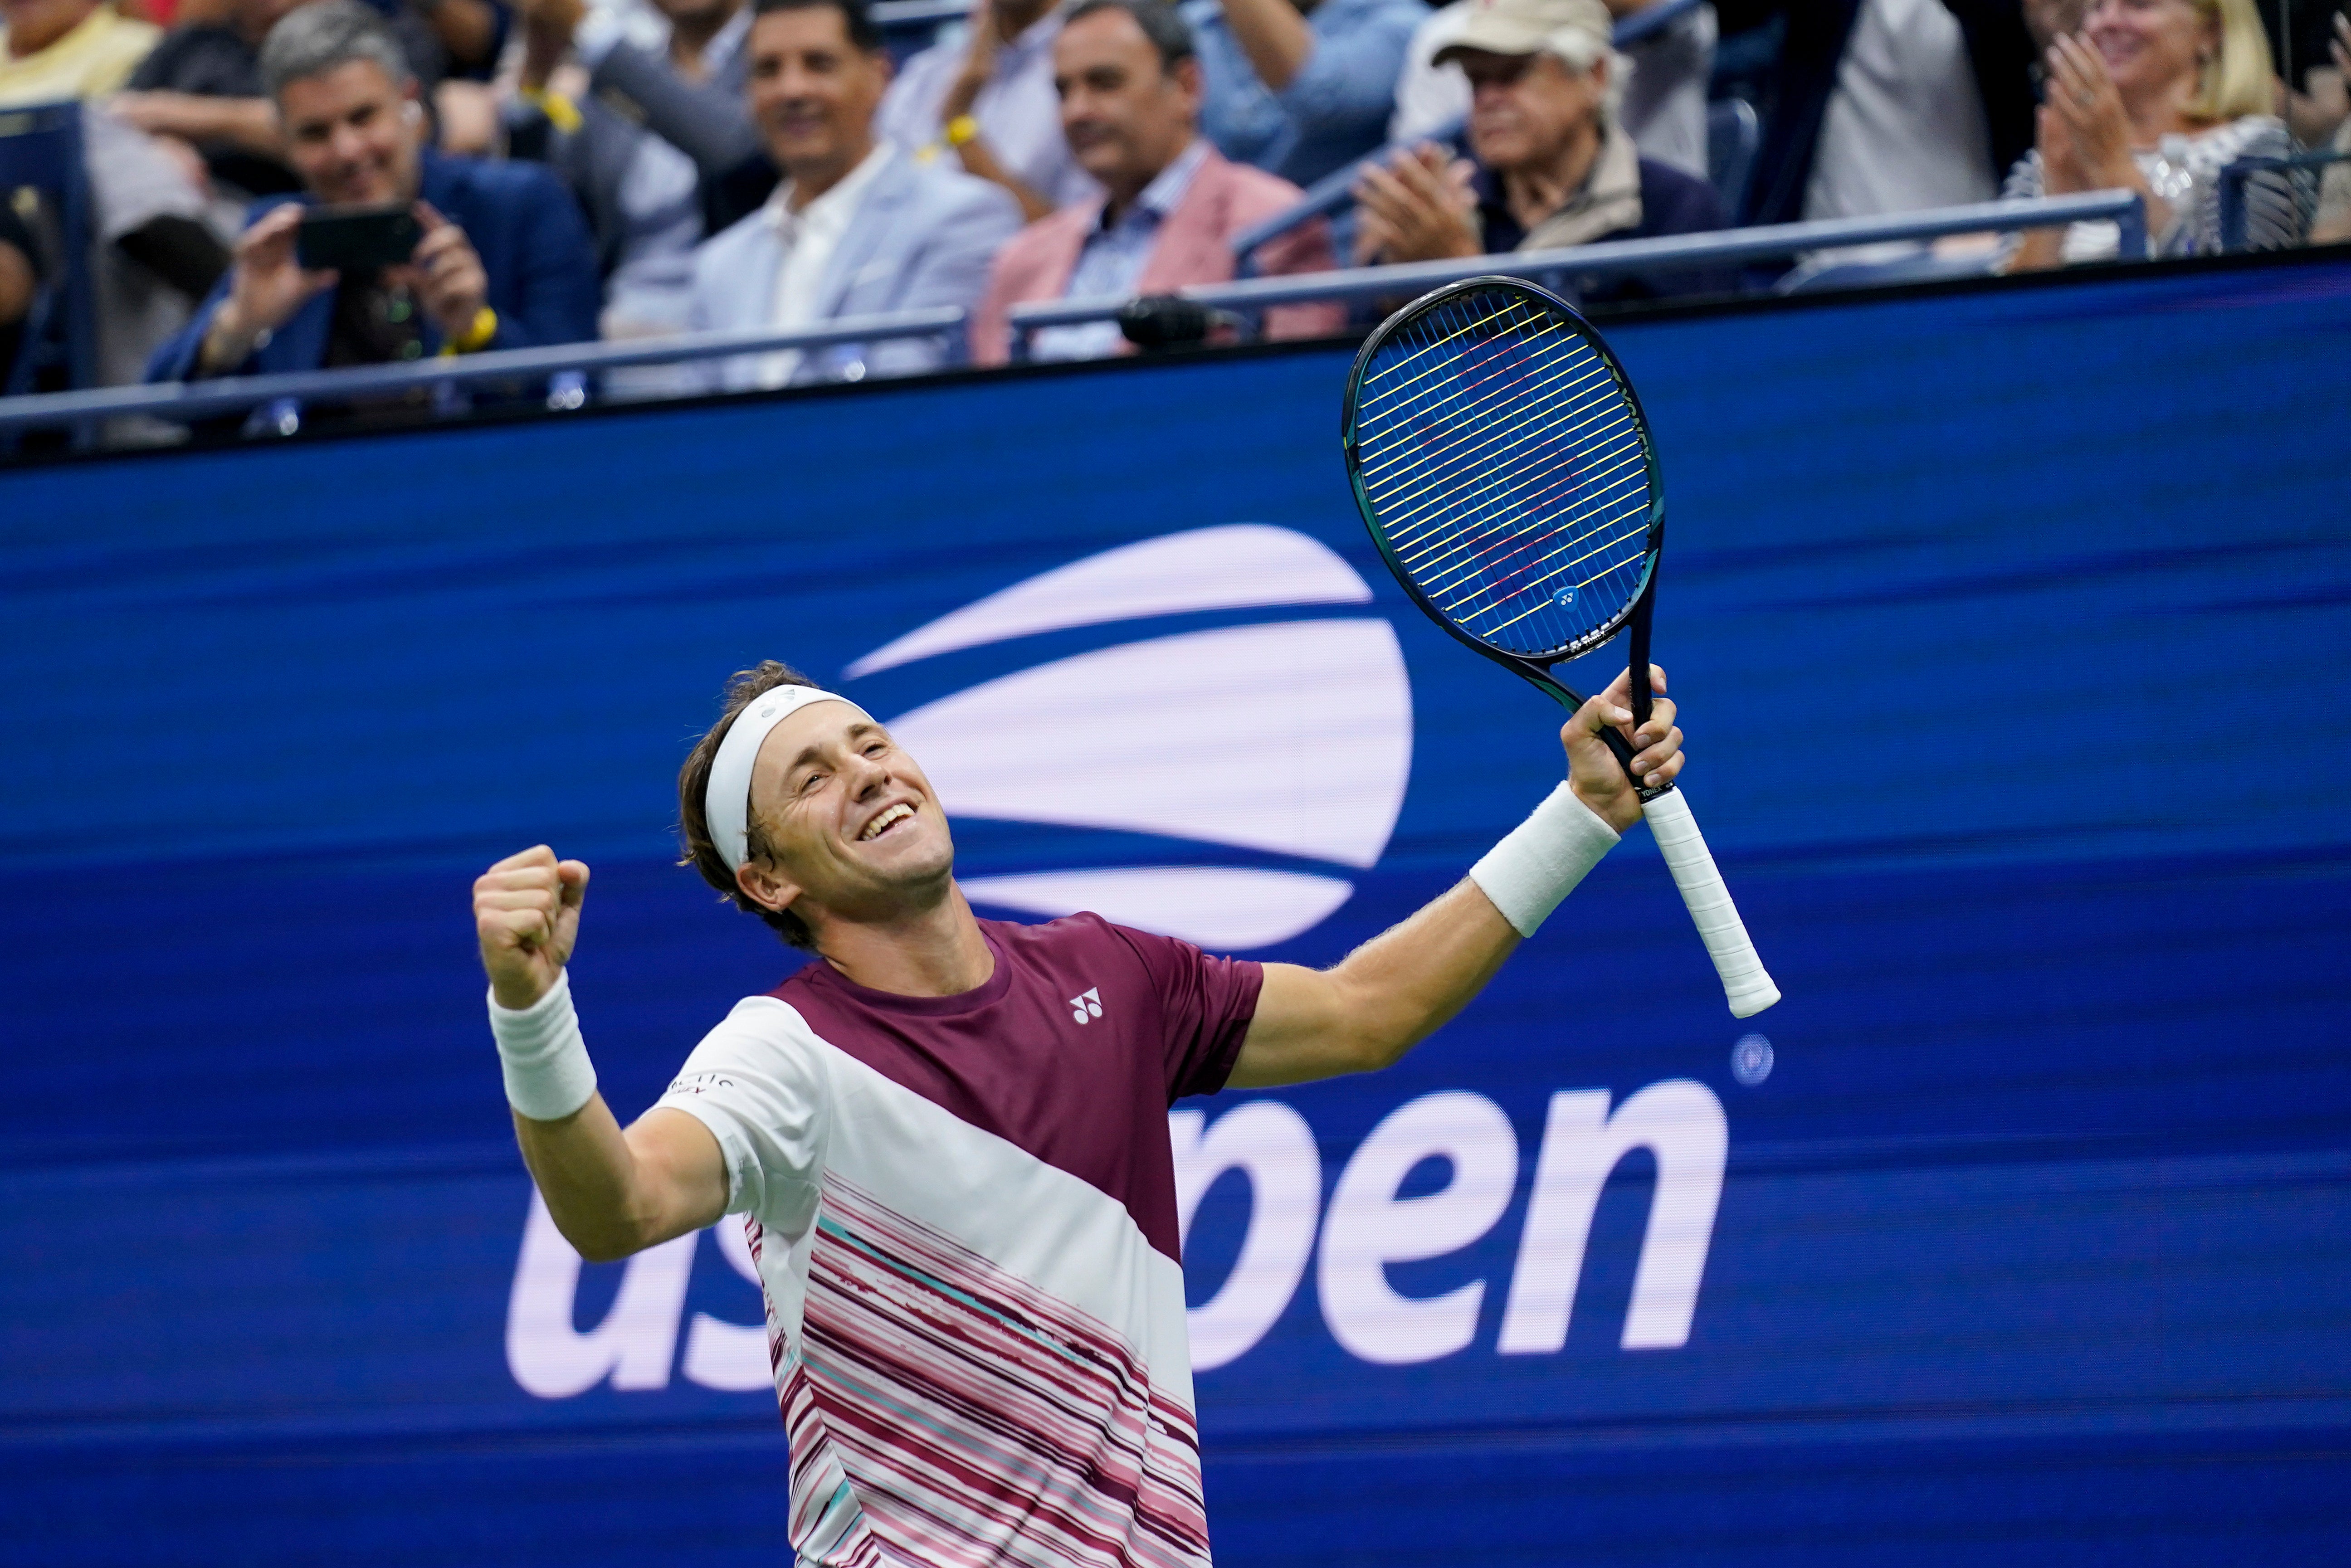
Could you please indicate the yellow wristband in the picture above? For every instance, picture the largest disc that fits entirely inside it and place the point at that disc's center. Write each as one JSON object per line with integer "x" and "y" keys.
{"x": 560, "y": 112}
{"x": 962, "y": 128}
{"x": 484, "y": 327}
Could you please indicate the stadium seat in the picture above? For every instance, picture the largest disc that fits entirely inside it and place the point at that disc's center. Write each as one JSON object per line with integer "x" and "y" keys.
{"x": 41, "y": 151}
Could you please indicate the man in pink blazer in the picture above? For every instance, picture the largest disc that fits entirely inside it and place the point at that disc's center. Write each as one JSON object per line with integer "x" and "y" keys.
{"x": 1130, "y": 90}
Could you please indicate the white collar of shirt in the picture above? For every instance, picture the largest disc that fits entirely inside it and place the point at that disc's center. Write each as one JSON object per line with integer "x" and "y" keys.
{"x": 825, "y": 217}
{"x": 807, "y": 240}
{"x": 1167, "y": 187}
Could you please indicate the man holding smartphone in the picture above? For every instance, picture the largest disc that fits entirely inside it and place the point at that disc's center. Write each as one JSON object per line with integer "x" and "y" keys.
{"x": 439, "y": 255}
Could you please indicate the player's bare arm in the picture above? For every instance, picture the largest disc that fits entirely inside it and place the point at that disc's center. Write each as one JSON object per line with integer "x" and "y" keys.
{"x": 1399, "y": 987}
{"x": 612, "y": 1192}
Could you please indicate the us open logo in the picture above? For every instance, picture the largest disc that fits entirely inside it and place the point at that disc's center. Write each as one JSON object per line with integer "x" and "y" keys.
{"x": 1288, "y": 738}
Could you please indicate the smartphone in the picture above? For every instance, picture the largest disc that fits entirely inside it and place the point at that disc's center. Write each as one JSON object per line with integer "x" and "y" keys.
{"x": 359, "y": 239}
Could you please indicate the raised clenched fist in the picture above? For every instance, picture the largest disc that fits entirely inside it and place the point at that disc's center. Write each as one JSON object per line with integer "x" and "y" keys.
{"x": 527, "y": 913}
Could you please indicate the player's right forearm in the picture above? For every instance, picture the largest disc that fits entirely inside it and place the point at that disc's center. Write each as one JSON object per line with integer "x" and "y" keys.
{"x": 575, "y": 1149}
{"x": 611, "y": 1192}
{"x": 590, "y": 1177}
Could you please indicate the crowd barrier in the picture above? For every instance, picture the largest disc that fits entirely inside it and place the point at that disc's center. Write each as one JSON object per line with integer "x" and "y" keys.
{"x": 2017, "y": 1234}
{"x": 1613, "y": 258}
{"x": 208, "y": 399}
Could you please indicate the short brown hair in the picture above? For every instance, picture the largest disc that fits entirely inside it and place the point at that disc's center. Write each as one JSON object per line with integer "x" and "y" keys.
{"x": 694, "y": 785}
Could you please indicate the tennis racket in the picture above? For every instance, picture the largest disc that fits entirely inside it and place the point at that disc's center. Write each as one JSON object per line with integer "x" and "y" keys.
{"x": 1503, "y": 465}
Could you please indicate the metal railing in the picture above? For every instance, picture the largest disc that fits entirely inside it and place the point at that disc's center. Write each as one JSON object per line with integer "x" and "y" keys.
{"x": 569, "y": 366}
{"x": 183, "y": 401}
{"x": 2300, "y": 172}
{"x": 1615, "y": 257}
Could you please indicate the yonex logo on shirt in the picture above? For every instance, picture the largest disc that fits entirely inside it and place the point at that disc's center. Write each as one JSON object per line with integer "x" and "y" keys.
{"x": 1088, "y": 1007}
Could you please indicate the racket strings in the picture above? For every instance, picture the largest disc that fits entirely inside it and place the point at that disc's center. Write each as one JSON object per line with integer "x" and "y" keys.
{"x": 1441, "y": 453}
{"x": 1498, "y": 583}
{"x": 1426, "y": 513}
{"x": 1506, "y": 471}
{"x": 1442, "y": 572}
{"x": 1461, "y": 450}
{"x": 1436, "y": 454}
{"x": 1420, "y": 463}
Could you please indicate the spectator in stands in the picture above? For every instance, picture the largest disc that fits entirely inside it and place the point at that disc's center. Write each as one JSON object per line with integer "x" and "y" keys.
{"x": 857, "y": 227}
{"x": 1553, "y": 167}
{"x": 202, "y": 85}
{"x": 1129, "y": 98}
{"x": 1300, "y": 88}
{"x": 1663, "y": 107}
{"x": 986, "y": 98}
{"x": 155, "y": 255}
{"x": 505, "y": 261}
{"x": 656, "y": 142}
{"x": 152, "y": 253}
{"x": 641, "y": 100}
{"x": 2159, "y": 97}
{"x": 55, "y": 50}
{"x": 1887, "y": 106}
{"x": 2314, "y": 97}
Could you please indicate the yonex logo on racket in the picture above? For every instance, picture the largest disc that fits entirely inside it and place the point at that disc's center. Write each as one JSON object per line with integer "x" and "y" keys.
{"x": 1087, "y": 1007}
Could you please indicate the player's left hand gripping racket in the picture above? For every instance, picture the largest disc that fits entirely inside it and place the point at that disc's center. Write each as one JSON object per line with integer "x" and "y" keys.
{"x": 1506, "y": 472}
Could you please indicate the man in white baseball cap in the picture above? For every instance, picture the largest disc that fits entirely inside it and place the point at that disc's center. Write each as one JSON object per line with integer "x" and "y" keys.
{"x": 1549, "y": 166}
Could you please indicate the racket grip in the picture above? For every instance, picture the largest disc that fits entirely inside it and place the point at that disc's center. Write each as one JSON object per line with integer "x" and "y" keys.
{"x": 1744, "y": 982}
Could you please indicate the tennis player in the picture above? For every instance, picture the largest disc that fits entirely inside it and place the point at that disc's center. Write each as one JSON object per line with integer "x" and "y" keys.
{"x": 948, "y": 1136}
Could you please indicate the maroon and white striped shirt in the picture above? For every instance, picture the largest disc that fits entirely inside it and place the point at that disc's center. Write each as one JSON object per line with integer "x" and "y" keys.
{"x": 964, "y": 1213}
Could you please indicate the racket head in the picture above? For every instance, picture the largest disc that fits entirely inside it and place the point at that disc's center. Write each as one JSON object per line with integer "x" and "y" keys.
{"x": 1501, "y": 461}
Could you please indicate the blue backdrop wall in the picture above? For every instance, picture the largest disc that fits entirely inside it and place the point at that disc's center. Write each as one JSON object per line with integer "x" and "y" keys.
{"x": 2010, "y": 629}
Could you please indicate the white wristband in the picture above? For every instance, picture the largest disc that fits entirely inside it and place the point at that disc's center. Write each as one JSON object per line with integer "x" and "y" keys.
{"x": 1543, "y": 859}
{"x": 548, "y": 1075}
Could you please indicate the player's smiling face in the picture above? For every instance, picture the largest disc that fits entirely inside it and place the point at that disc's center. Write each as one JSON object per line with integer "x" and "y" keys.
{"x": 852, "y": 823}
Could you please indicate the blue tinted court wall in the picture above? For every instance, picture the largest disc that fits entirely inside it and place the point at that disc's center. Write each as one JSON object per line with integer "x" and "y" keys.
{"x": 2009, "y": 627}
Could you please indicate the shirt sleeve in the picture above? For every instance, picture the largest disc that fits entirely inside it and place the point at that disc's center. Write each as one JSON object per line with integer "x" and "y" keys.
{"x": 1348, "y": 84}
{"x": 1206, "y": 1004}
{"x": 909, "y": 114}
{"x": 762, "y": 1096}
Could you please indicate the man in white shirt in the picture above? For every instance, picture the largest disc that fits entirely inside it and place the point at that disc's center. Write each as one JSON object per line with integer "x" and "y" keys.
{"x": 650, "y": 131}
{"x": 1888, "y": 106}
{"x": 983, "y": 97}
{"x": 1904, "y": 128}
{"x": 856, "y": 228}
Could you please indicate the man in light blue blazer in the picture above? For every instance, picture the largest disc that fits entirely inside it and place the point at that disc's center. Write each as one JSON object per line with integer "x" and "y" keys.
{"x": 857, "y": 227}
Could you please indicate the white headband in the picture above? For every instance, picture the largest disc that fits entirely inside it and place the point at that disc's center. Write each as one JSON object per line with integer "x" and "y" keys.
{"x": 726, "y": 801}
